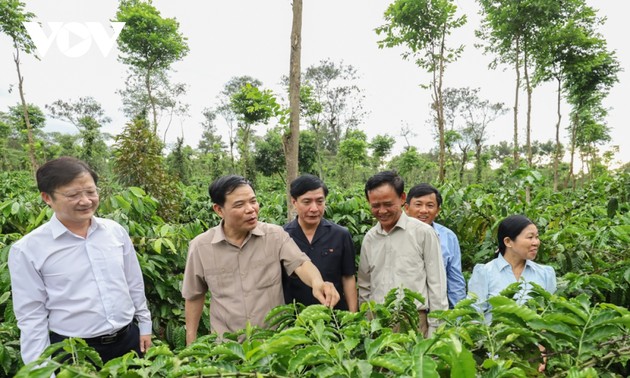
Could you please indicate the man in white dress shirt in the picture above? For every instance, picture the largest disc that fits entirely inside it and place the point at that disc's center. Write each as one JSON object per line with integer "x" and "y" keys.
{"x": 77, "y": 275}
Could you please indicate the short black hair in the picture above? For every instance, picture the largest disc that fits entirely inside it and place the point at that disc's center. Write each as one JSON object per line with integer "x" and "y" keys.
{"x": 306, "y": 183}
{"x": 386, "y": 177}
{"x": 61, "y": 171}
{"x": 511, "y": 227}
{"x": 422, "y": 190}
{"x": 225, "y": 185}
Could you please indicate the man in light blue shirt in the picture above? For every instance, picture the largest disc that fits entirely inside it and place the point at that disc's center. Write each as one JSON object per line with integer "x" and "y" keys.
{"x": 424, "y": 203}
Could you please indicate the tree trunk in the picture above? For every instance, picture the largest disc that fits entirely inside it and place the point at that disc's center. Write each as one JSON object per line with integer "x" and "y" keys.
{"x": 574, "y": 126}
{"x": 440, "y": 110}
{"x": 147, "y": 82}
{"x": 556, "y": 157}
{"x": 291, "y": 139}
{"x": 462, "y": 168}
{"x": 528, "y": 126}
{"x": 478, "y": 165}
{"x": 518, "y": 84}
{"x": 27, "y": 120}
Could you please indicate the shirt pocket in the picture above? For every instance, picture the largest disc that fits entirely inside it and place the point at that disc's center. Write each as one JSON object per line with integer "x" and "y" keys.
{"x": 264, "y": 273}
{"x": 221, "y": 281}
{"x": 329, "y": 262}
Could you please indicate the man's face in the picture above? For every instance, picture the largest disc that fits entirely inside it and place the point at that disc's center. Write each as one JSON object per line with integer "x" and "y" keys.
{"x": 424, "y": 208}
{"x": 386, "y": 205}
{"x": 74, "y": 204}
{"x": 240, "y": 210}
{"x": 310, "y": 207}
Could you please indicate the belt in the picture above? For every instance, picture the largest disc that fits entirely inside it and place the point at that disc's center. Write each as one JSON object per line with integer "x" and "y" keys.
{"x": 104, "y": 339}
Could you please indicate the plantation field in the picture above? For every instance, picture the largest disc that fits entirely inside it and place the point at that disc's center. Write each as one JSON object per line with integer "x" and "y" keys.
{"x": 584, "y": 327}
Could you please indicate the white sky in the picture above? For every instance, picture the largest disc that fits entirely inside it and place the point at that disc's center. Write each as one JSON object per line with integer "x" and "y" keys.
{"x": 251, "y": 37}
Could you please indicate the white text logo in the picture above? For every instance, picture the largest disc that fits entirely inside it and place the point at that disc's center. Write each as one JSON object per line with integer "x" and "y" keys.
{"x": 74, "y": 39}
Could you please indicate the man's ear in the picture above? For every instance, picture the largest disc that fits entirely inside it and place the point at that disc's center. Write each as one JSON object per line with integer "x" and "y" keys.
{"x": 403, "y": 197}
{"x": 218, "y": 209}
{"x": 47, "y": 198}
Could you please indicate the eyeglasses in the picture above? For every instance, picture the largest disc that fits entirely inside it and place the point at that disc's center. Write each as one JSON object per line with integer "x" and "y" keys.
{"x": 76, "y": 195}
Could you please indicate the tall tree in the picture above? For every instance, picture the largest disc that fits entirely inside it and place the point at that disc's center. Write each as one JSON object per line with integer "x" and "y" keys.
{"x": 423, "y": 26}
{"x": 478, "y": 114}
{"x": 353, "y": 152}
{"x": 334, "y": 101}
{"x": 251, "y": 106}
{"x": 12, "y": 19}
{"x": 225, "y": 110}
{"x": 210, "y": 139}
{"x": 150, "y": 44}
{"x": 573, "y": 48}
{"x": 178, "y": 162}
{"x": 142, "y": 165}
{"x": 88, "y": 116}
{"x": 511, "y": 30}
{"x": 291, "y": 138}
{"x": 381, "y": 146}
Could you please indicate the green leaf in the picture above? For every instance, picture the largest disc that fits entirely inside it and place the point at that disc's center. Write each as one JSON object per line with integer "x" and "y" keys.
{"x": 581, "y": 314}
{"x": 4, "y": 297}
{"x": 601, "y": 333}
{"x": 138, "y": 192}
{"x": 229, "y": 349}
{"x": 157, "y": 245}
{"x": 309, "y": 356}
{"x": 502, "y": 305}
{"x": 390, "y": 361}
{"x": 424, "y": 366}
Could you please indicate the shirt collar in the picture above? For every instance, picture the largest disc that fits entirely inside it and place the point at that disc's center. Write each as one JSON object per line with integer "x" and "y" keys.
{"x": 219, "y": 235}
{"x": 57, "y": 228}
{"x": 502, "y": 263}
{"x": 402, "y": 224}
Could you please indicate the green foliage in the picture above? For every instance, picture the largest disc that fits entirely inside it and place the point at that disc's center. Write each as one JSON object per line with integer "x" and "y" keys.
{"x": 148, "y": 40}
{"x": 583, "y": 328}
{"x": 315, "y": 341}
{"x": 141, "y": 164}
{"x": 12, "y": 19}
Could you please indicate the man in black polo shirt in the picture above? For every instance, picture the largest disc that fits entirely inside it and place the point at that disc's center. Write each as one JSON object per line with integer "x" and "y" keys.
{"x": 328, "y": 245}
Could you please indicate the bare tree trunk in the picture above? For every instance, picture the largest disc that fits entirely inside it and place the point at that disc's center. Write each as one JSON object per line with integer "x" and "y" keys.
{"x": 573, "y": 143}
{"x": 27, "y": 120}
{"x": 556, "y": 157}
{"x": 528, "y": 126}
{"x": 291, "y": 139}
{"x": 147, "y": 82}
{"x": 439, "y": 108}
{"x": 518, "y": 84}
{"x": 478, "y": 167}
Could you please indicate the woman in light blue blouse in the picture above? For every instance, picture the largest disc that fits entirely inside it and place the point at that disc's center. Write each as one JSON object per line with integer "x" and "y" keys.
{"x": 518, "y": 246}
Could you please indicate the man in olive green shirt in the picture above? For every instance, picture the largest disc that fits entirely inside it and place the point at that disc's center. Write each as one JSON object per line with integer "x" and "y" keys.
{"x": 400, "y": 251}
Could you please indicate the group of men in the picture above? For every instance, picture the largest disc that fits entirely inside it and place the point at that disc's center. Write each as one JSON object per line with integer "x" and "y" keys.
{"x": 78, "y": 275}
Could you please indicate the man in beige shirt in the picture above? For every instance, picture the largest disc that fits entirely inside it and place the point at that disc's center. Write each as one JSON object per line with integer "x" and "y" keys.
{"x": 400, "y": 251}
{"x": 239, "y": 262}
